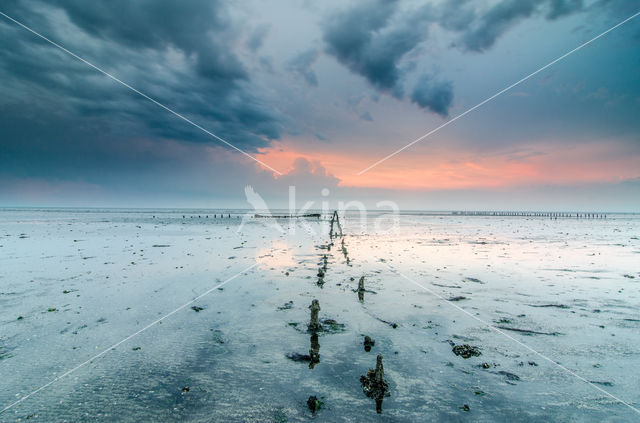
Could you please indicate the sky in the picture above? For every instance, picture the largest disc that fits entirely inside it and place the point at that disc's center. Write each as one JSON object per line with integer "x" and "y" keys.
{"x": 317, "y": 92}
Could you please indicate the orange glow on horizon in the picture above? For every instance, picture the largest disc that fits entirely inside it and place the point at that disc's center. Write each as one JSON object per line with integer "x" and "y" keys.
{"x": 590, "y": 163}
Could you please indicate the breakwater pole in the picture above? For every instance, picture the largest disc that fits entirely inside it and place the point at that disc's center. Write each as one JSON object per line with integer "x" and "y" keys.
{"x": 335, "y": 220}
{"x": 551, "y": 215}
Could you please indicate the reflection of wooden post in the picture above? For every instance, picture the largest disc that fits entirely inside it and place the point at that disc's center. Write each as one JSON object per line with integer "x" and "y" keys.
{"x": 314, "y": 322}
{"x": 314, "y": 351}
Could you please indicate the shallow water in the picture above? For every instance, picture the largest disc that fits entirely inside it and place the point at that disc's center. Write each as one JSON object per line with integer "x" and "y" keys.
{"x": 104, "y": 275}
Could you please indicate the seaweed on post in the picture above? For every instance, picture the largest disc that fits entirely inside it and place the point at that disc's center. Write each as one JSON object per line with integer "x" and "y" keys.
{"x": 374, "y": 385}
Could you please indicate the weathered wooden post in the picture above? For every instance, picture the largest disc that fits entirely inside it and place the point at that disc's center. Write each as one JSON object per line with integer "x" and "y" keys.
{"x": 374, "y": 385}
{"x": 314, "y": 322}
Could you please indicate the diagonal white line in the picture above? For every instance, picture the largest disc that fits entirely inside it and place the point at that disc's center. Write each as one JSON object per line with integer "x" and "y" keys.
{"x": 495, "y": 329}
{"x": 496, "y": 95}
{"x": 68, "y": 372}
{"x": 139, "y": 92}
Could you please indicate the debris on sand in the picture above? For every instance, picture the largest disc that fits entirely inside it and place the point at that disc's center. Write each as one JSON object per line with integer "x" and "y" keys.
{"x": 368, "y": 343}
{"x": 314, "y": 323}
{"x": 458, "y": 298}
{"x": 527, "y": 331}
{"x": 601, "y": 383}
{"x": 509, "y": 375}
{"x": 286, "y": 306}
{"x": 297, "y": 357}
{"x": 374, "y": 385}
{"x": 392, "y": 324}
{"x": 465, "y": 350}
{"x": 196, "y": 308}
{"x": 330, "y": 325}
{"x": 549, "y": 305}
{"x": 314, "y": 404}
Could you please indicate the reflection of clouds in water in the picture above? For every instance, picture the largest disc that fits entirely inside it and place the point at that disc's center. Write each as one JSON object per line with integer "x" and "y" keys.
{"x": 279, "y": 254}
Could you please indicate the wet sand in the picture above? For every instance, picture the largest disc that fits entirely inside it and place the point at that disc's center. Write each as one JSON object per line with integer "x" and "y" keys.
{"x": 73, "y": 283}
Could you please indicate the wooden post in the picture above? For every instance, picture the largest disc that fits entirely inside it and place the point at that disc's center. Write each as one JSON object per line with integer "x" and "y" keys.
{"x": 314, "y": 322}
{"x": 361, "y": 284}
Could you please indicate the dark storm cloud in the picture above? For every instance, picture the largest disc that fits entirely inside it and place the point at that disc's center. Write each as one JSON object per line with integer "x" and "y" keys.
{"x": 481, "y": 28}
{"x": 434, "y": 95}
{"x": 493, "y": 23}
{"x": 198, "y": 27}
{"x": 559, "y": 8}
{"x": 181, "y": 54}
{"x": 257, "y": 37}
{"x": 302, "y": 63}
{"x": 368, "y": 41}
{"x": 374, "y": 37}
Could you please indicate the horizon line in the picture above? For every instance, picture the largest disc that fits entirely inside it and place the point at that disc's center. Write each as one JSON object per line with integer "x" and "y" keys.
{"x": 227, "y": 209}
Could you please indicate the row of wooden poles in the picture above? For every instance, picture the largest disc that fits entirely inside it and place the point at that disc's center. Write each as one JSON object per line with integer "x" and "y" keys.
{"x": 532, "y": 214}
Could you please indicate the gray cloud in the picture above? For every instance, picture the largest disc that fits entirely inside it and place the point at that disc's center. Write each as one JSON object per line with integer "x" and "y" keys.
{"x": 350, "y": 38}
{"x": 308, "y": 174}
{"x": 366, "y": 116}
{"x": 559, "y": 8}
{"x": 433, "y": 95}
{"x": 302, "y": 63}
{"x": 487, "y": 27}
{"x": 192, "y": 69}
{"x": 257, "y": 37}
{"x": 374, "y": 37}
{"x": 369, "y": 42}
{"x": 481, "y": 28}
